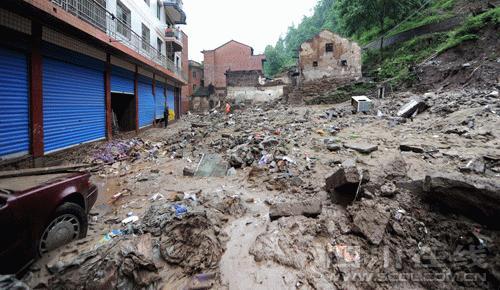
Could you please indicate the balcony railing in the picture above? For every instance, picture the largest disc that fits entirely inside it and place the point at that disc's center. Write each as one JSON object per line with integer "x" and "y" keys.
{"x": 175, "y": 33}
{"x": 95, "y": 13}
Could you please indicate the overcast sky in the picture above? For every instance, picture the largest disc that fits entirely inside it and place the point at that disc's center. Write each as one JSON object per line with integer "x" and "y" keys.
{"x": 211, "y": 23}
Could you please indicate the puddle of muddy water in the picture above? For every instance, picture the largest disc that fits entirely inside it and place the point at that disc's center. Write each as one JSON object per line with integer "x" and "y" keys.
{"x": 107, "y": 187}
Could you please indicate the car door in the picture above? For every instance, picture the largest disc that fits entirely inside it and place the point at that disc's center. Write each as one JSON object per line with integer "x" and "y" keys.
{"x": 13, "y": 242}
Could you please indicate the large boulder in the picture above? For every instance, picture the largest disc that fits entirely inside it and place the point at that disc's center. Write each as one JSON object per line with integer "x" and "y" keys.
{"x": 475, "y": 197}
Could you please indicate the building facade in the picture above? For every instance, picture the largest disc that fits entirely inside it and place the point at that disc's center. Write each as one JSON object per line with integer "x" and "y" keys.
{"x": 76, "y": 71}
{"x": 329, "y": 55}
{"x": 196, "y": 77}
{"x": 231, "y": 56}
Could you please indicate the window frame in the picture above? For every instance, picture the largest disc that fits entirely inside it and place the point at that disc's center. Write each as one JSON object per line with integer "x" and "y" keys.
{"x": 329, "y": 47}
{"x": 146, "y": 39}
{"x": 124, "y": 16}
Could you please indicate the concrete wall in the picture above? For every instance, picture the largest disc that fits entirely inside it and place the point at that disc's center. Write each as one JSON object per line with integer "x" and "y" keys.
{"x": 254, "y": 94}
{"x": 233, "y": 56}
{"x": 329, "y": 64}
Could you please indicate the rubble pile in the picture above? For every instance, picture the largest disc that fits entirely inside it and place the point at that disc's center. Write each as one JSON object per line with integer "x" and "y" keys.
{"x": 303, "y": 198}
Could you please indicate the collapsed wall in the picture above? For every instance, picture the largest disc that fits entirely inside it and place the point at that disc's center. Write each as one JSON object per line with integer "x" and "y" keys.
{"x": 251, "y": 86}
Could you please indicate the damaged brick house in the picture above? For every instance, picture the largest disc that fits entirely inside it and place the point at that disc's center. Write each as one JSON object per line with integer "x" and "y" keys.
{"x": 251, "y": 87}
{"x": 231, "y": 56}
{"x": 329, "y": 55}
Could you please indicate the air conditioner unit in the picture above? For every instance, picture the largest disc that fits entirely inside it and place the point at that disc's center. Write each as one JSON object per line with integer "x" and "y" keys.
{"x": 361, "y": 103}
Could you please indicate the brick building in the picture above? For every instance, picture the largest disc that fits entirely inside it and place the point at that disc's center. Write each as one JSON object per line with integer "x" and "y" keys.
{"x": 196, "y": 76}
{"x": 329, "y": 55}
{"x": 231, "y": 56}
{"x": 185, "y": 64}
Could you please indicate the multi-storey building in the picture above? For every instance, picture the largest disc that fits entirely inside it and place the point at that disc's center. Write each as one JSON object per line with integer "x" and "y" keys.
{"x": 231, "y": 56}
{"x": 195, "y": 78}
{"x": 73, "y": 71}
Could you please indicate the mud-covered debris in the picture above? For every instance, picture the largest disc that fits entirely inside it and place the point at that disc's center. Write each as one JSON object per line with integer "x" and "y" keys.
{"x": 188, "y": 171}
{"x": 412, "y": 108}
{"x": 157, "y": 216}
{"x": 408, "y": 147}
{"x": 361, "y": 147}
{"x": 370, "y": 219}
{"x": 389, "y": 189}
{"x": 123, "y": 263}
{"x": 192, "y": 243}
{"x": 346, "y": 180}
{"x": 199, "y": 125}
{"x": 476, "y": 165}
{"x": 231, "y": 205}
{"x": 9, "y": 282}
{"x": 333, "y": 147}
{"x": 292, "y": 242}
{"x": 477, "y": 198}
{"x": 201, "y": 282}
{"x": 308, "y": 208}
{"x": 138, "y": 263}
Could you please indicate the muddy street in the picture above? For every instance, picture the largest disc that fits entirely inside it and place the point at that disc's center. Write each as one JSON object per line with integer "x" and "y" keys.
{"x": 305, "y": 201}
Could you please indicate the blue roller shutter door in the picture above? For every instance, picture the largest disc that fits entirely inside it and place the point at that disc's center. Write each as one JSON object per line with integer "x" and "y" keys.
{"x": 160, "y": 100}
{"x": 14, "y": 104}
{"x": 73, "y": 105}
{"x": 146, "y": 102}
{"x": 171, "y": 102}
{"x": 122, "y": 81}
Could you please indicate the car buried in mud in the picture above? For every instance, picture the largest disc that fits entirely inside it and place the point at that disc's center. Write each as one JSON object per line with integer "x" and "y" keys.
{"x": 40, "y": 213}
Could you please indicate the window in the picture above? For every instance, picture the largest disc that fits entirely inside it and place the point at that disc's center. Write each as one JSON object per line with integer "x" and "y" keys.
{"x": 315, "y": 63}
{"x": 177, "y": 62}
{"x": 194, "y": 87}
{"x": 194, "y": 74}
{"x": 124, "y": 20}
{"x": 147, "y": 2}
{"x": 145, "y": 37}
{"x": 158, "y": 10}
{"x": 329, "y": 47}
{"x": 343, "y": 62}
{"x": 159, "y": 46}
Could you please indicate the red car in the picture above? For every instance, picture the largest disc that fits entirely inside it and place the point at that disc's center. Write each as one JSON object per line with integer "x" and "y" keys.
{"x": 40, "y": 213}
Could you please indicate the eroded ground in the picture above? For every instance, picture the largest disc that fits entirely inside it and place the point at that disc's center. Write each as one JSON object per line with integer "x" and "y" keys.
{"x": 194, "y": 232}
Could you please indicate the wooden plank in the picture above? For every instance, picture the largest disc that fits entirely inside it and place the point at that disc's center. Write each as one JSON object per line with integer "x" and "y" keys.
{"x": 45, "y": 170}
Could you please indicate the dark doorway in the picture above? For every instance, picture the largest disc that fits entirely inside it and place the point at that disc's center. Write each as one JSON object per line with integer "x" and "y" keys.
{"x": 123, "y": 106}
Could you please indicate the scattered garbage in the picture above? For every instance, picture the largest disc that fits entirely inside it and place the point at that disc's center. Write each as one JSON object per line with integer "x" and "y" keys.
{"x": 130, "y": 219}
{"x": 180, "y": 209}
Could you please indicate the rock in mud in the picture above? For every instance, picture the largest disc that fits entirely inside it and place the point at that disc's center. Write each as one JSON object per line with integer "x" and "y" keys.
{"x": 362, "y": 148}
{"x": 346, "y": 179}
{"x": 370, "y": 220}
{"x": 188, "y": 171}
{"x": 388, "y": 190}
{"x": 308, "y": 208}
{"x": 412, "y": 108}
{"x": 411, "y": 148}
{"x": 477, "y": 198}
{"x": 192, "y": 243}
{"x": 333, "y": 147}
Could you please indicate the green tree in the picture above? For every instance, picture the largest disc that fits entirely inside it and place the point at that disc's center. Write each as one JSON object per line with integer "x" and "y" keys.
{"x": 358, "y": 15}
